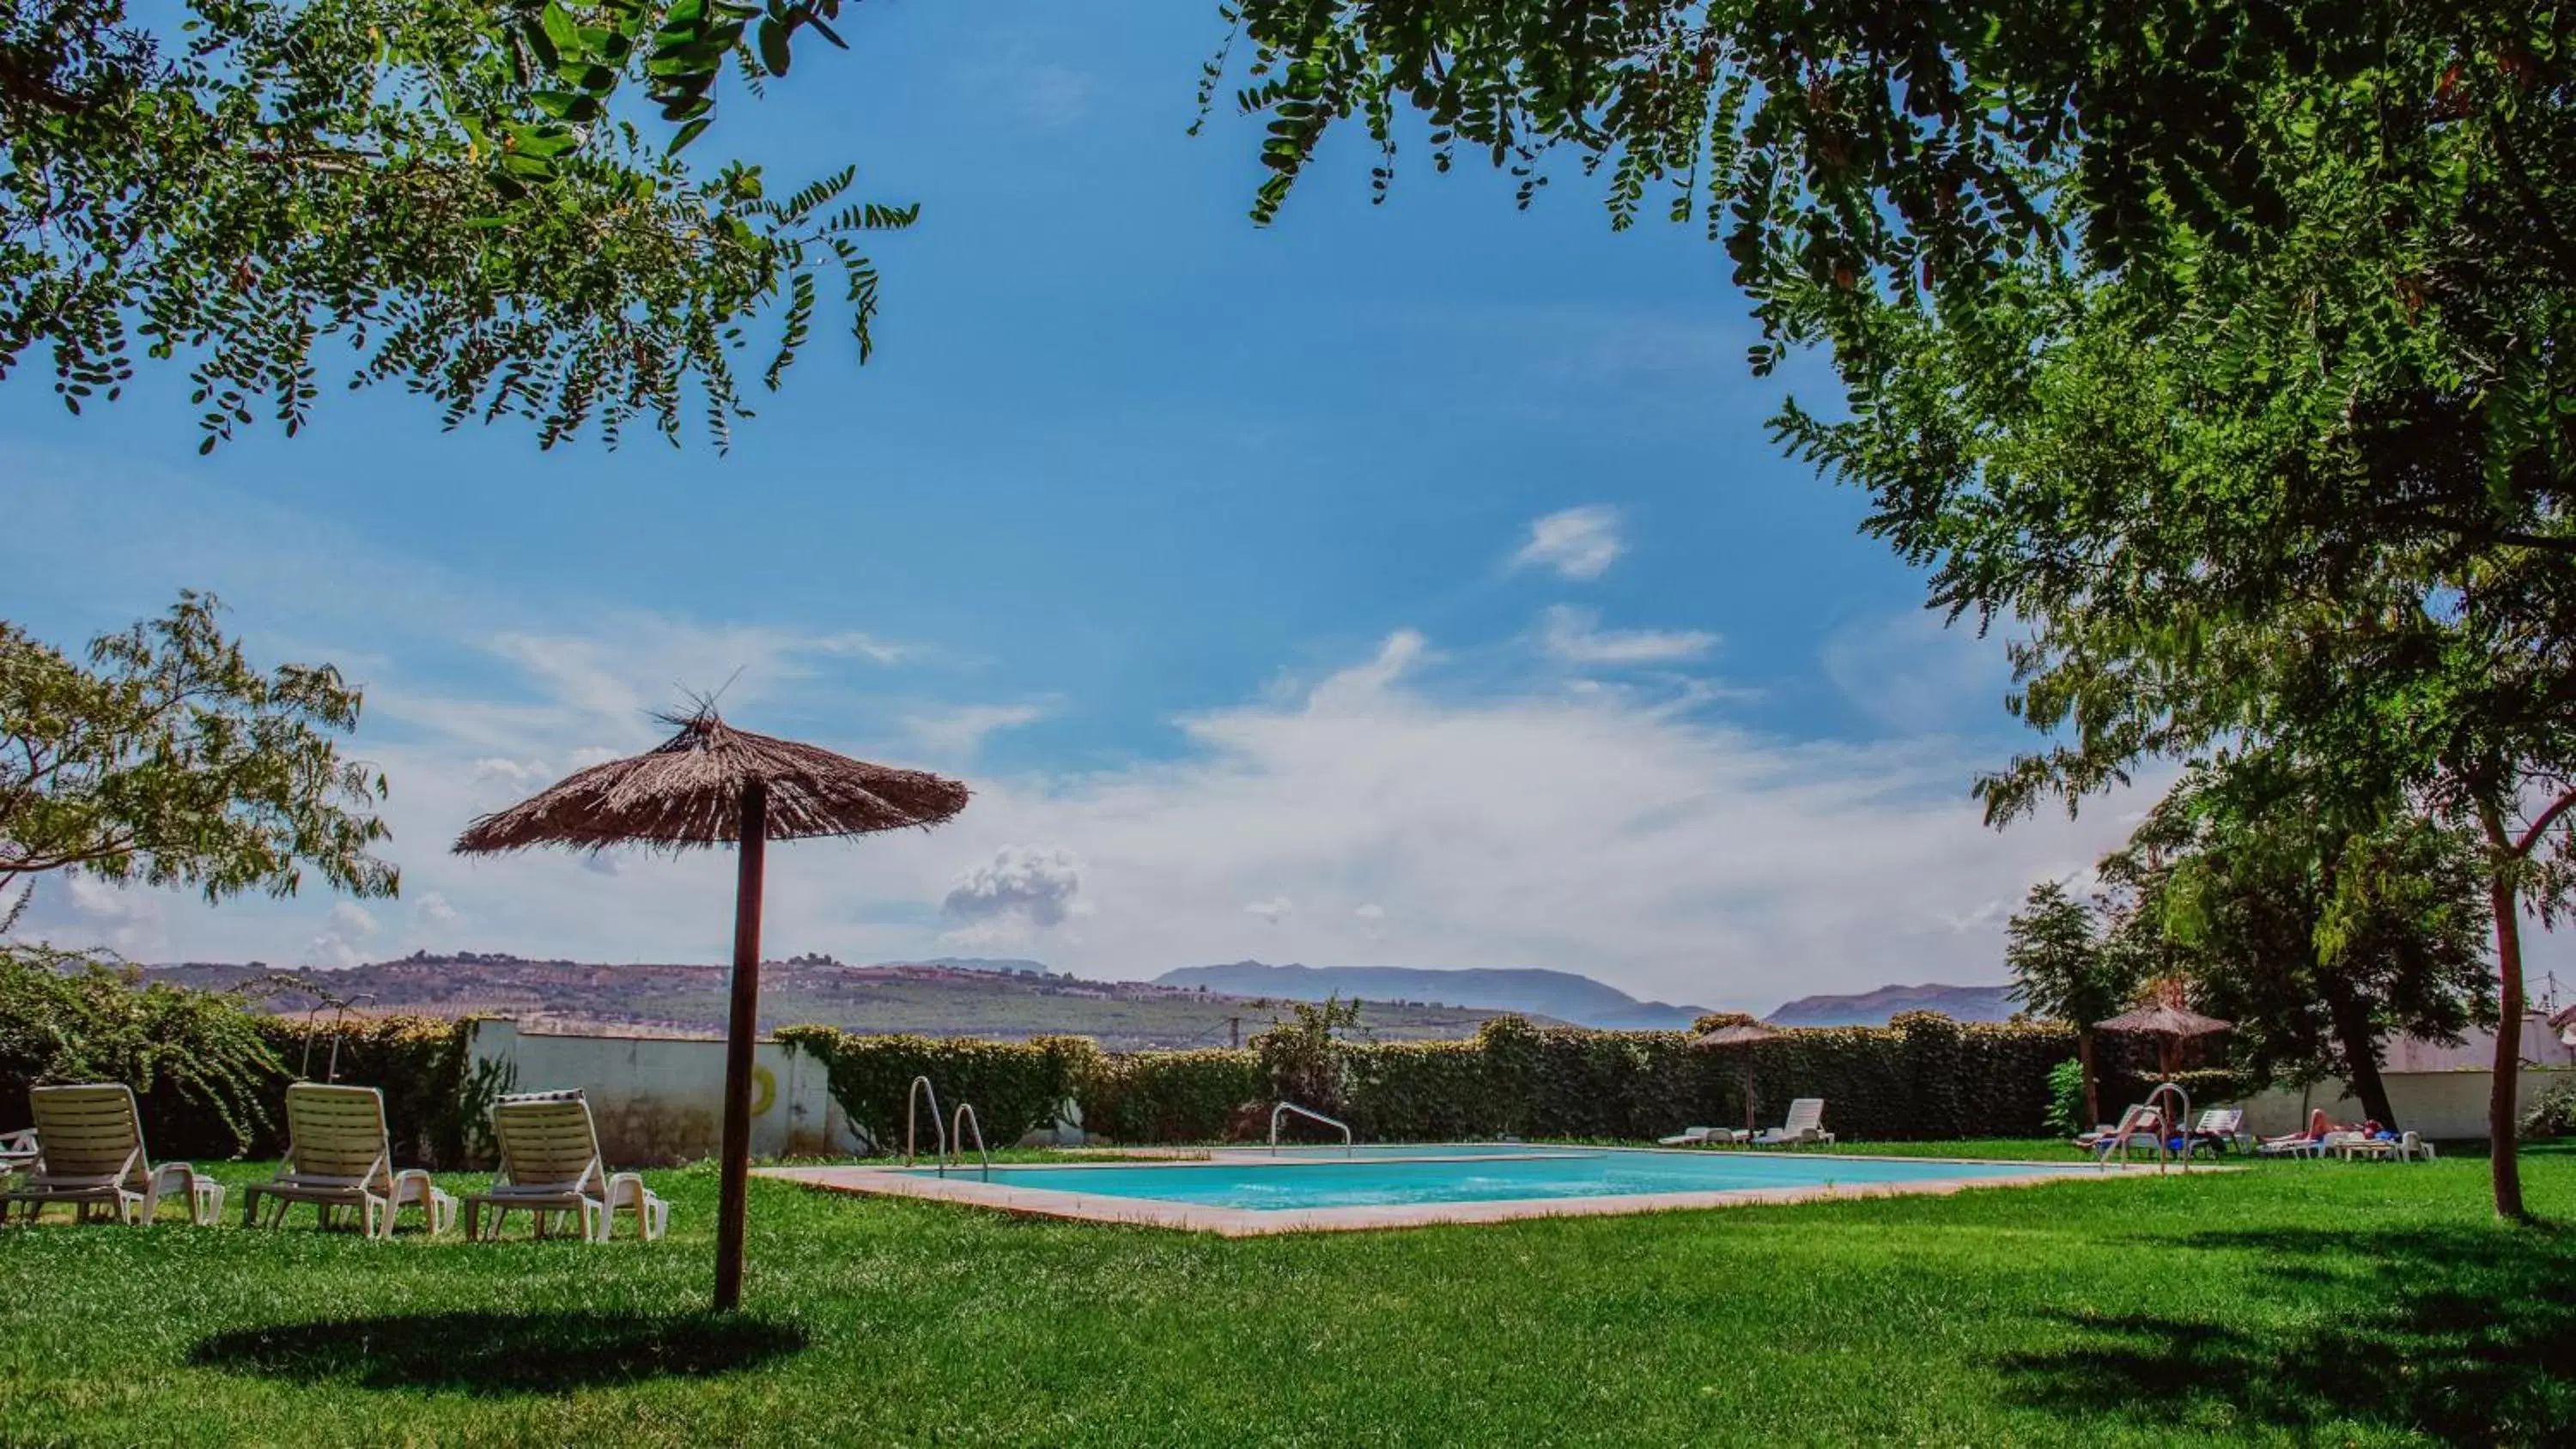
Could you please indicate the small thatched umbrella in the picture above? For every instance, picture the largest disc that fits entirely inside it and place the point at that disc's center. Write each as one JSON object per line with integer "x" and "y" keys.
{"x": 1739, "y": 1034}
{"x": 2169, "y": 1024}
{"x": 711, "y": 784}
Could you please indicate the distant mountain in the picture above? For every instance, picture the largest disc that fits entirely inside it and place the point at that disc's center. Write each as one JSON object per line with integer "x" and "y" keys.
{"x": 1873, "y": 1008}
{"x": 1560, "y": 994}
{"x": 954, "y": 997}
{"x": 1008, "y": 966}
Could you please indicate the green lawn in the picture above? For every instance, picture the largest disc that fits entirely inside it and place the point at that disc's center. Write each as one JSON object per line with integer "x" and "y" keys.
{"x": 2298, "y": 1302}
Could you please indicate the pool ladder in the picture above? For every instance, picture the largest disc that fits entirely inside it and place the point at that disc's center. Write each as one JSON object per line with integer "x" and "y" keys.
{"x": 1311, "y": 1115}
{"x": 2169, "y": 1124}
{"x": 951, "y": 1141}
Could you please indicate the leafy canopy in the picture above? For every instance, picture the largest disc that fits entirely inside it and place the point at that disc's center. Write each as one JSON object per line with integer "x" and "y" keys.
{"x": 2318, "y": 929}
{"x": 170, "y": 760}
{"x": 2061, "y": 967}
{"x": 485, "y": 204}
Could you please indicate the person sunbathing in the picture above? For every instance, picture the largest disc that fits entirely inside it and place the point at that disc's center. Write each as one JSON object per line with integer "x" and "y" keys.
{"x": 2320, "y": 1126}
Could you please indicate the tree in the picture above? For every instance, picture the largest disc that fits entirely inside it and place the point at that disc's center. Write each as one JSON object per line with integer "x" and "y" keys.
{"x": 2062, "y": 968}
{"x": 2217, "y": 346}
{"x": 2319, "y": 929}
{"x": 170, "y": 760}
{"x": 486, "y": 204}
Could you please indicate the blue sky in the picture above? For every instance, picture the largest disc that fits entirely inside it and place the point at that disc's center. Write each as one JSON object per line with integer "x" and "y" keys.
{"x": 1402, "y": 584}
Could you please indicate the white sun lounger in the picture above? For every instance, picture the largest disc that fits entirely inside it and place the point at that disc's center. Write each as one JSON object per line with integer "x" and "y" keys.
{"x": 2221, "y": 1126}
{"x": 1805, "y": 1124}
{"x": 89, "y": 1154}
{"x": 1705, "y": 1137}
{"x": 550, "y": 1165}
{"x": 340, "y": 1155}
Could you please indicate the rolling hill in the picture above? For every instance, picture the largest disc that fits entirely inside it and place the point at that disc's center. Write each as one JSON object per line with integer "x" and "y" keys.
{"x": 949, "y": 997}
{"x": 1560, "y": 994}
{"x": 1873, "y": 1008}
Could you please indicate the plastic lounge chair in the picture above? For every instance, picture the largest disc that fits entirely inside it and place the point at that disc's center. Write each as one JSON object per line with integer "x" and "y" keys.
{"x": 340, "y": 1155}
{"x": 17, "y": 1150}
{"x": 2141, "y": 1124}
{"x": 1705, "y": 1137}
{"x": 2411, "y": 1147}
{"x": 89, "y": 1154}
{"x": 1805, "y": 1124}
{"x": 550, "y": 1165}
{"x": 2220, "y": 1128}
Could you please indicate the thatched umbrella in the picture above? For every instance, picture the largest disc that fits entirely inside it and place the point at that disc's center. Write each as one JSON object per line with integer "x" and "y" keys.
{"x": 711, "y": 784}
{"x": 2169, "y": 1024}
{"x": 1739, "y": 1034}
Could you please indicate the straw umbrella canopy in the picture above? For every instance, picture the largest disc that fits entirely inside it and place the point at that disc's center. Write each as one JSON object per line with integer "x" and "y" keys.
{"x": 2169, "y": 1024}
{"x": 709, "y": 785}
{"x": 1738, "y": 1034}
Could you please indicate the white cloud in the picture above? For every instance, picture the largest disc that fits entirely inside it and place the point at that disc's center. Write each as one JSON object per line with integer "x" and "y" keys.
{"x": 1027, "y": 886}
{"x": 1910, "y": 673}
{"x": 1370, "y": 911}
{"x": 517, "y": 774}
{"x": 1575, "y": 636}
{"x": 1272, "y": 910}
{"x": 1578, "y": 543}
{"x": 958, "y": 733}
{"x": 352, "y": 920}
{"x": 434, "y": 908}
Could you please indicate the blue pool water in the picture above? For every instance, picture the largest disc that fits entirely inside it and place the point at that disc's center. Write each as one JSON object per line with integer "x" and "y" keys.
{"x": 1393, "y": 1176}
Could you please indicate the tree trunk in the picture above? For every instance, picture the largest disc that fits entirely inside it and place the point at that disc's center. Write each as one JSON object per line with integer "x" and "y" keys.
{"x": 2360, "y": 1046}
{"x": 2092, "y": 1087}
{"x": 2504, "y": 1168}
{"x": 742, "y": 1032}
{"x": 2501, "y": 1100}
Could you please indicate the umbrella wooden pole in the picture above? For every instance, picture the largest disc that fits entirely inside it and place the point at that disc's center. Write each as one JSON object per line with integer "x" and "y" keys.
{"x": 741, "y": 1028}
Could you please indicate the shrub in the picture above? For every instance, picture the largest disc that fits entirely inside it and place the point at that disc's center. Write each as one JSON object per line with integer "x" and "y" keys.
{"x": 1171, "y": 1096}
{"x": 418, "y": 1062}
{"x": 1016, "y": 1086}
{"x": 2066, "y": 1098}
{"x": 199, "y": 1067}
{"x": 2553, "y": 1115}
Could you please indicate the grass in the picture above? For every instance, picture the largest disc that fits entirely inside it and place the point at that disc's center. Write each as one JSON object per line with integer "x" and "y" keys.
{"x": 2356, "y": 1303}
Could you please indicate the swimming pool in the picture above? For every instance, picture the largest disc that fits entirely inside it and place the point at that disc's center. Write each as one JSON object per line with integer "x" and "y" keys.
{"x": 1303, "y": 1189}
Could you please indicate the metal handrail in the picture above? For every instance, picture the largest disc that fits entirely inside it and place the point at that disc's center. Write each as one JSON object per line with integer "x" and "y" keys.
{"x": 912, "y": 1096}
{"x": 1311, "y": 1114}
{"x": 2165, "y": 1129}
{"x": 328, "y": 1002}
{"x": 966, "y": 1118}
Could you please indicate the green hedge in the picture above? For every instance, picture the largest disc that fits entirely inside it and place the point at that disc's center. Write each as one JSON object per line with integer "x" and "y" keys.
{"x": 434, "y": 1112}
{"x": 209, "y": 1074}
{"x": 1169, "y": 1096}
{"x": 1923, "y": 1076}
{"x": 1016, "y": 1087}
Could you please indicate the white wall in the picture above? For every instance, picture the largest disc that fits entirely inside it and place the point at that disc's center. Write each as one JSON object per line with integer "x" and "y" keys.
{"x": 2437, "y": 1104}
{"x": 661, "y": 1099}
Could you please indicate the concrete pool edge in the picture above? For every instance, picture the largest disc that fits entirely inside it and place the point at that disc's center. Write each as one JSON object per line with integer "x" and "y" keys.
{"x": 1251, "y": 1222}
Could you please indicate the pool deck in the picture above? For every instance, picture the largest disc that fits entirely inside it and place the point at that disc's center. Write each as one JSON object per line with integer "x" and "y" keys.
{"x": 965, "y": 1188}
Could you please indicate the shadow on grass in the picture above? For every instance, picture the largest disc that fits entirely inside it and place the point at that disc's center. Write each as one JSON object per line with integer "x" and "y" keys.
{"x": 499, "y": 1353}
{"x": 2463, "y": 1334}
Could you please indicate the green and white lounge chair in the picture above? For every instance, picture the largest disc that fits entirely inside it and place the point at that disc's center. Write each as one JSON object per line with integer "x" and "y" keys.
{"x": 17, "y": 1150}
{"x": 1805, "y": 1125}
{"x": 1705, "y": 1137}
{"x": 550, "y": 1165}
{"x": 89, "y": 1155}
{"x": 340, "y": 1155}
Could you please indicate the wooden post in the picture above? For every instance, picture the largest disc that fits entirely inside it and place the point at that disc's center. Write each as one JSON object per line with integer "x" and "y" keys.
{"x": 742, "y": 1029}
